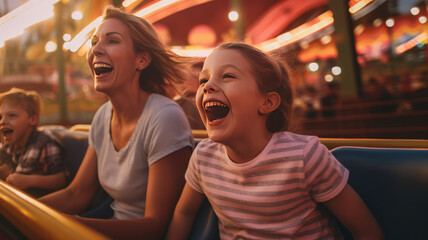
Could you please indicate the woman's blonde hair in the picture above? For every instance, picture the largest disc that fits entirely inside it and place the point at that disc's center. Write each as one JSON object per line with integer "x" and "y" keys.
{"x": 166, "y": 69}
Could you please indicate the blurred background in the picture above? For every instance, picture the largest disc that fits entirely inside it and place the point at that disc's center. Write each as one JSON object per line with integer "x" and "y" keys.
{"x": 359, "y": 67}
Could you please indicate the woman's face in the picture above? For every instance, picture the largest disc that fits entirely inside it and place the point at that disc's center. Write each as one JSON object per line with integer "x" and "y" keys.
{"x": 112, "y": 59}
{"x": 228, "y": 98}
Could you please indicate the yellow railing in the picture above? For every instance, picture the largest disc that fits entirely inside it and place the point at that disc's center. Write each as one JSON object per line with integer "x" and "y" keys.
{"x": 331, "y": 143}
{"x": 37, "y": 221}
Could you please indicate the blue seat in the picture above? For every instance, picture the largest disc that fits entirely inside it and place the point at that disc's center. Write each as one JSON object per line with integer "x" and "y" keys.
{"x": 205, "y": 225}
{"x": 394, "y": 185}
{"x": 75, "y": 144}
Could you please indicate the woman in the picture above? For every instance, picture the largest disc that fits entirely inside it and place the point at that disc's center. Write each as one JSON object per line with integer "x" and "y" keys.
{"x": 140, "y": 141}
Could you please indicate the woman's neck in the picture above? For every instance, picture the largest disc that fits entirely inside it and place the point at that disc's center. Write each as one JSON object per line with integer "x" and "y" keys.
{"x": 128, "y": 107}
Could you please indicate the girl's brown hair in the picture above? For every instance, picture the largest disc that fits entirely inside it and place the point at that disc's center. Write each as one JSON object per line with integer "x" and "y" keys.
{"x": 271, "y": 76}
{"x": 166, "y": 69}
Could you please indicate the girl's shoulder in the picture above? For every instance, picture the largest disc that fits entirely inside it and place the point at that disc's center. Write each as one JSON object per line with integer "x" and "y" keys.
{"x": 289, "y": 137}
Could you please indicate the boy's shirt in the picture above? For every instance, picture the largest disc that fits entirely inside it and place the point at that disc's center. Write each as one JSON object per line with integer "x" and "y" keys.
{"x": 29, "y": 161}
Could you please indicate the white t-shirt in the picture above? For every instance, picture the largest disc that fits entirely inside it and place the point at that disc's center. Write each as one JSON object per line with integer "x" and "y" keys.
{"x": 162, "y": 129}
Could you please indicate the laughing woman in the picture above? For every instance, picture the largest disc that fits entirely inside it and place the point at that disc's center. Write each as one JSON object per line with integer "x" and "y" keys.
{"x": 140, "y": 141}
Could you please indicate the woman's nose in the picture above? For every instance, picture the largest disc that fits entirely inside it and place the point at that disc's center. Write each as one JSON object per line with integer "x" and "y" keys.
{"x": 97, "y": 49}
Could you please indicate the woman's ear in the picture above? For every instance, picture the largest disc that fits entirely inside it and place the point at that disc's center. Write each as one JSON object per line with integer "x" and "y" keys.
{"x": 271, "y": 102}
{"x": 143, "y": 60}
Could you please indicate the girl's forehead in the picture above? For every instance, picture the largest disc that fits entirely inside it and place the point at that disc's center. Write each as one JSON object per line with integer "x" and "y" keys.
{"x": 226, "y": 57}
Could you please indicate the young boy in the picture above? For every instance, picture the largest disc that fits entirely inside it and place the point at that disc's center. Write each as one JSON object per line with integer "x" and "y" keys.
{"x": 30, "y": 159}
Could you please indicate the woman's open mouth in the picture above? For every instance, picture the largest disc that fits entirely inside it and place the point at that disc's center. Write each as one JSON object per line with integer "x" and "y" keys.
{"x": 216, "y": 110}
{"x": 101, "y": 68}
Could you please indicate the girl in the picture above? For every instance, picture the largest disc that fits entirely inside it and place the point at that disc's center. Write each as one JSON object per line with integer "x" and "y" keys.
{"x": 262, "y": 181}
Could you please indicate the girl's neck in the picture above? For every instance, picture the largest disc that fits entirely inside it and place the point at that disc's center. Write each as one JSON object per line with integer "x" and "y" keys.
{"x": 246, "y": 149}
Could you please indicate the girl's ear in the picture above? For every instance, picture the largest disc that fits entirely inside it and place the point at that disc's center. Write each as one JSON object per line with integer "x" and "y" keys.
{"x": 271, "y": 102}
{"x": 143, "y": 60}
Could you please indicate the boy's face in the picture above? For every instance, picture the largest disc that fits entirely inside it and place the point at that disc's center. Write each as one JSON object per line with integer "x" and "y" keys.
{"x": 228, "y": 98}
{"x": 15, "y": 124}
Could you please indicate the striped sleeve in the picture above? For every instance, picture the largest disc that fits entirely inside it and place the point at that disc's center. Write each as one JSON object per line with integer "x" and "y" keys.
{"x": 325, "y": 176}
{"x": 192, "y": 172}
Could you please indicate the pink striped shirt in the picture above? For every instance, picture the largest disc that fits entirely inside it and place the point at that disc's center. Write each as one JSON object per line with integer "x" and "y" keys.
{"x": 273, "y": 196}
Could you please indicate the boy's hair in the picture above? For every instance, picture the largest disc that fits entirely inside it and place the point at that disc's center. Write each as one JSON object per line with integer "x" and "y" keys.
{"x": 166, "y": 69}
{"x": 29, "y": 100}
{"x": 271, "y": 76}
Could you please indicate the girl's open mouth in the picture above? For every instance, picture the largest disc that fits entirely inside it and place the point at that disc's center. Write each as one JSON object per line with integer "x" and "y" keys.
{"x": 216, "y": 110}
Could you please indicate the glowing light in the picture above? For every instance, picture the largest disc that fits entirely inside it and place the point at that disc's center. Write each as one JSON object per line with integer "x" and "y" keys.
{"x": 14, "y": 23}
{"x": 313, "y": 66}
{"x": 284, "y": 37}
{"x": 154, "y": 7}
{"x": 315, "y": 25}
{"x": 76, "y": 15}
{"x": 1, "y": 44}
{"x": 377, "y": 22}
{"x": 50, "y": 46}
{"x": 127, "y": 3}
{"x": 233, "y": 16}
{"x": 66, "y": 46}
{"x": 82, "y": 36}
{"x": 66, "y": 37}
{"x": 419, "y": 39}
{"x": 422, "y": 19}
{"x": 414, "y": 11}
{"x": 328, "y": 78}
{"x": 359, "y": 29}
{"x": 326, "y": 39}
{"x": 390, "y": 22}
{"x": 357, "y": 6}
{"x": 336, "y": 70}
{"x": 304, "y": 45}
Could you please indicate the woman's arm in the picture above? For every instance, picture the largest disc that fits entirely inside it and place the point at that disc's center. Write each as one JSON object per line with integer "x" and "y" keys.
{"x": 75, "y": 198}
{"x": 166, "y": 181}
{"x": 353, "y": 213}
{"x": 184, "y": 214}
{"x": 48, "y": 182}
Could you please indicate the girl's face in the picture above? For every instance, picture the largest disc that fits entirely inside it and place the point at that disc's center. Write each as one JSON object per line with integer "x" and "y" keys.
{"x": 112, "y": 59}
{"x": 16, "y": 124}
{"x": 228, "y": 98}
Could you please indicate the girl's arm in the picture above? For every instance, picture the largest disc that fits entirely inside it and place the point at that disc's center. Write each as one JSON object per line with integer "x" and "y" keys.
{"x": 75, "y": 198}
{"x": 165, "y": 183}
{"x": 48, "y": 182}
{"x": 353, "y": 213}
{"x": 184, "y": 214}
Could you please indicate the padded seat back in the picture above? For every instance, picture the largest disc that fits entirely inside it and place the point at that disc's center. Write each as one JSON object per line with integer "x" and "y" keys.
{"x": 394, "y": 185}
{"x": 75, "y": 144}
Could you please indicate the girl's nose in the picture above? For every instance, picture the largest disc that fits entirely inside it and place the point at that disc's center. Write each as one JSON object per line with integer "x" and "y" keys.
{"x": 209, "y": 86}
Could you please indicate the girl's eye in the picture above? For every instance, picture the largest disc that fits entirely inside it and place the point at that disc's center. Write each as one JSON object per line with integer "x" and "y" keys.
{"x": 228, "y": 76}
{"x": 202, "y": 81}
{"x": 113, "y": 41}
